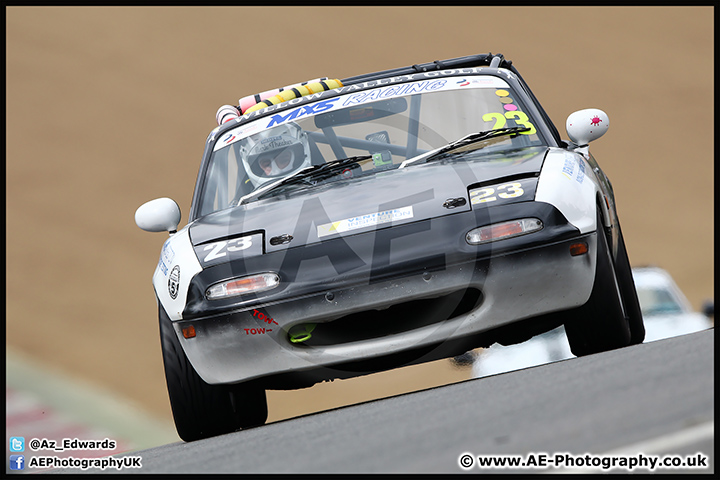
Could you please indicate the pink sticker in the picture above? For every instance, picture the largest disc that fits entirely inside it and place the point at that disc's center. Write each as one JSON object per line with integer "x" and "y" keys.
{"x": 510, "y": 106}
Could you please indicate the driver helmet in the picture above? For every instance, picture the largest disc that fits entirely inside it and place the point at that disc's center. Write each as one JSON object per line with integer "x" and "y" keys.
{"x": 275, "y": 153}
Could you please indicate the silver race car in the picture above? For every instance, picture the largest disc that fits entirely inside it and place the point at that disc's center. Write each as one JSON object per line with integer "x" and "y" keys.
{"x": 341, "y": 227}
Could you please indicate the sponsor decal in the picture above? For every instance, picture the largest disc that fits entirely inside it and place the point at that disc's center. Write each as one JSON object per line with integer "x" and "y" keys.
{"x": 363, "y": 221}
{"x": 228, "y": 138}
{"x": 311, "y": 109}
{"x": 234, "y": 135}
{"x": 488, "y": 81}
{"x": 418, "y": 83}
{"x": 581, "y": 171}
{"x": 166, "y": 257}
{"x": 174, "y": 282}
{"x": 274, "y": 143}
{"x": 496, "y": 82}
{"x": 340, "y": 254}
{"x": 394, "y": 91}
{"x": 568, "y": 167}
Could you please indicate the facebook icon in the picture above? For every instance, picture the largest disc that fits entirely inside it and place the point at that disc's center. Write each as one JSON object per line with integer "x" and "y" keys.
{"x": 17, "y": 462}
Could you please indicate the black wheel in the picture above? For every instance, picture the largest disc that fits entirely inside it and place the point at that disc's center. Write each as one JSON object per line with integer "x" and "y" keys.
{"x": 629, "y": 293}
{"x": 202, "y": 410}
{"x": 600, "y": 324}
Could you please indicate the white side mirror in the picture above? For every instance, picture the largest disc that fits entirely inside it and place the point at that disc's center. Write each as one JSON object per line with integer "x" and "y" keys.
{"x": 587, "y": 125}
{"x": 159, "y": 215}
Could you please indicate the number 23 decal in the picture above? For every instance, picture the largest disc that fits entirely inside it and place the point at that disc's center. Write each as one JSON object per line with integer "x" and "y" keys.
{"x": 518, "y": 116}
{"x": 487, "y": 194}
{"x": 220, "y": 249}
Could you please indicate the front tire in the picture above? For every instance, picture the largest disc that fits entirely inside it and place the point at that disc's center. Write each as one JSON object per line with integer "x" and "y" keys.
{"x": 601, "y": 323}
{"x": 629, "y": 293}
{"x": 202, "y": 410}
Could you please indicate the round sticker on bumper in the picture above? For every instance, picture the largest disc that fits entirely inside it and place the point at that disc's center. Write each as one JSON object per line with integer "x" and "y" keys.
{"x": 174, "y": 282}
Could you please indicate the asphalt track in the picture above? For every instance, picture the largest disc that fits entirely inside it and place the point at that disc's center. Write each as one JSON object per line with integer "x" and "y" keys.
{"x": 654, "y": 399}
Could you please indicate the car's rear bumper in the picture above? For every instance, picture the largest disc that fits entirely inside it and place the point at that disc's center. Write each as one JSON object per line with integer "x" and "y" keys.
{"x": 474, "y": 289}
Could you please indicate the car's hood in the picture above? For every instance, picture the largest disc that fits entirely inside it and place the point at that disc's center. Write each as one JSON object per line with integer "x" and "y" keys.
{"x": 405, "y": 195}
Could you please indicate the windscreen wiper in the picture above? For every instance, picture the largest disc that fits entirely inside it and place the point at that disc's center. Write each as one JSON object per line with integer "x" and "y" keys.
{"x": 314, "y": 172}
{"x": 463, "y": 142}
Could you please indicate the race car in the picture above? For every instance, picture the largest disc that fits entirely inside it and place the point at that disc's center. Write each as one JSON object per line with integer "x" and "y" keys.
{"x": 666, "y": 310}
{"x": 341, "y": 227}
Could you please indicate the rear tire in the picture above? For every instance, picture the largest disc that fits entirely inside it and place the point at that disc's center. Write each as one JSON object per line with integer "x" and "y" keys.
{"x": 202, "y": 410}
{"x": 600, "y": 324}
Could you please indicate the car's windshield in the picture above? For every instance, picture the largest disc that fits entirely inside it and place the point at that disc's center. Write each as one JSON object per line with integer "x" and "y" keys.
{"x": 657, "y": 301}
{"x": 390, "y": 124}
